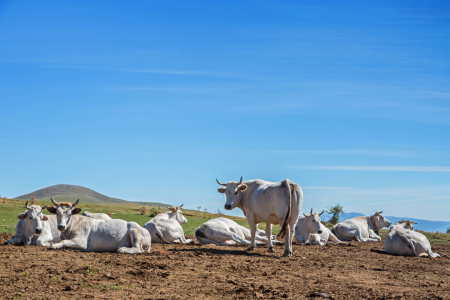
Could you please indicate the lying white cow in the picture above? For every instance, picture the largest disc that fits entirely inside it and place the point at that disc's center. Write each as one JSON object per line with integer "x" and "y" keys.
{"x": 312, "y": 225}
{"x": 166, "y": 228}
{"x": 225, "y": 232}
{"x": 35, "y": 228}
{"x": 406, "y": 224}
{"x": 100, "y": 216}
{"x": 87, "y": 234}
{"x": 361, "y": 229}
{"x": 266, "y": 202}
{"x": 406, "y": 242}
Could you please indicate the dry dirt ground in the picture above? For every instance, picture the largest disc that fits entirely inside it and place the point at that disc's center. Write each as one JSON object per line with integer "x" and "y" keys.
{"x": 358, "y": 271}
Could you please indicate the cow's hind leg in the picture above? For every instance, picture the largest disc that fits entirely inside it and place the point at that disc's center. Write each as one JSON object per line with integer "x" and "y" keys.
{"x": 269, "y": 235}
{"x": 140, "y": 241}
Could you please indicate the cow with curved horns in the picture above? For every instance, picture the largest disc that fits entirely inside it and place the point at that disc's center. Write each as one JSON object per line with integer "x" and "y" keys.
{"x": 35, "y": 228}
{"x": 361, "y": 229}
{"x": 166, "y": 227}
{"x": 266, "y": 202}
{"x": 88, "y": 234}
{"x": 310, "y": 225}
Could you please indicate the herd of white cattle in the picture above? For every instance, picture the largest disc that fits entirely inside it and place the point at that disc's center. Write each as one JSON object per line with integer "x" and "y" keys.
{"x": 261, "y": 201}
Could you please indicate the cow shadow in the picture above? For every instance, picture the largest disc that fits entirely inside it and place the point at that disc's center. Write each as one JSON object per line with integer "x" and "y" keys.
{"x": 209, "y": 251}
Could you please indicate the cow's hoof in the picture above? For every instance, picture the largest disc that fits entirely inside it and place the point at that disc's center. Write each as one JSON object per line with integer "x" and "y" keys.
{"x": 120, "y": 250}
{"x": 250, "y": 248}
{"x": 287, "y": 253}
{"x": 7, "y": 243}
{"x": 270, "y": 249}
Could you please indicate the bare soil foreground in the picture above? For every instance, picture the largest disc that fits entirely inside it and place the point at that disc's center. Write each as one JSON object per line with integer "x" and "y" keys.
{"x": 358, "y": 271}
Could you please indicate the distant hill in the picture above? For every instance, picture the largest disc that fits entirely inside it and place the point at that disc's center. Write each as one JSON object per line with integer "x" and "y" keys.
{"x": 424, "y": 225}
{"x": 70, "y": 193}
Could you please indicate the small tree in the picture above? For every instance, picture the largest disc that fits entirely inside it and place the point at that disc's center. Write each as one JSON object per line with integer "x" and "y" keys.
{"x": 33, "y": 200}
{"x": 448, "y": 229}
{"x": 219, "y": 212}
{"x": 198, "y": 208}
{"x": 336, "y": 212}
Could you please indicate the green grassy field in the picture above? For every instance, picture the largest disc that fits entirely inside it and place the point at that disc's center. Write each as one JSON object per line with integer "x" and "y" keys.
{"x": 11, "y": 208}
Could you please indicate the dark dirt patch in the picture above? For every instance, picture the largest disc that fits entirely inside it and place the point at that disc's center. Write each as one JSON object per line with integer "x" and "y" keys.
{"x": 362, "y": 271}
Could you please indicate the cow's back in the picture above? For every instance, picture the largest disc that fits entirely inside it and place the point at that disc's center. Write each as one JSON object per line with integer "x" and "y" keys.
{"x": 106, "y": 235}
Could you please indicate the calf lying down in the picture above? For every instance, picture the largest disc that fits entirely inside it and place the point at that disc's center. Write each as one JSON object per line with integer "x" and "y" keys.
{"x": 226, "y": 232}
{"x": 406, "y": 242}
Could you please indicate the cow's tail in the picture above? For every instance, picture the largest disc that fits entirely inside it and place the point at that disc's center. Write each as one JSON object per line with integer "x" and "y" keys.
{"x": 161, "y": 236}
{"x": 333, "y": 237}
{"x": 288, "y": 186}
{"x": 204, "y": 240}
{"x": 336, "y": 233}
{"x": 409, "y": 243}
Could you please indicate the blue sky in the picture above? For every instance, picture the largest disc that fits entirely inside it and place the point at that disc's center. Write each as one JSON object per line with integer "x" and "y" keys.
{"x": 153, "y": 100}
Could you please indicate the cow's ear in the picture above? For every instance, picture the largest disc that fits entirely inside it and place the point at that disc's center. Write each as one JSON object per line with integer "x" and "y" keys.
{"x": 45, "y": 218}
{"x": 221, "y": 190}
{"x": 242, "y": 187}
{"x": 76, "y": 211}
{"x": 22, "y": 216}
{"x": 51, "y": 209}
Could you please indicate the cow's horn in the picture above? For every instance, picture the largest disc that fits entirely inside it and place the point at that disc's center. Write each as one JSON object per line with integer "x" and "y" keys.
{"x": 181, "y": 205}
{"x": 380, "y": 212}
{"x": 240, "y": 181}
{"x": 413, "y": 222}
{"x": 75, "y": 204}
{"x": 322, "y": 212}
{"x": 401, "y": 222}
{"x": 26, "y": 206}
{"x": 54, "y": 202}
{"x": 311, "y": 211}
{"x": 224, "y": 184}
{"x": 43, "y": 208}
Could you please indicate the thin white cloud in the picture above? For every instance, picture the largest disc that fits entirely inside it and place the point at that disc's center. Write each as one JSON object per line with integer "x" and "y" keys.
{"x": 378, "y": 168}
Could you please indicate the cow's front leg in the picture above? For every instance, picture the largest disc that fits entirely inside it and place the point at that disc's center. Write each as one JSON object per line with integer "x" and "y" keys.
{"x": 269, "y": 237}
{"x": 44, "y": 241}
{"x": 253, "y": 235}
{"x": 77, "y": 243}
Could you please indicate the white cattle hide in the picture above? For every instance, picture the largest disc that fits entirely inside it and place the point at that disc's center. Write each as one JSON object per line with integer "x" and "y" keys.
{"x": 406, "y": 242}
{"x": 361, "y": 229}
{"x": 35, "y": 228}
{"x": 166, "y": 227}
{"x": 266, "y": 202}
{"x": 225, "y": 232}
{"x": 87, "y": 234}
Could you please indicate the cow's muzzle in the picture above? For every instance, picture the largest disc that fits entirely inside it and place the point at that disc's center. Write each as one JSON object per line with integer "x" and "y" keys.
{"x": 227, "y": 207}
{"x": 61, "y": 228}
{"x": 38, "y": 231}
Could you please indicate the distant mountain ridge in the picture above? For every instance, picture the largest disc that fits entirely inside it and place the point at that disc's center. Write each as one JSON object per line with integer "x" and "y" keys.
{"x": 70, "y": 193}
{"x": 424, "y": 225}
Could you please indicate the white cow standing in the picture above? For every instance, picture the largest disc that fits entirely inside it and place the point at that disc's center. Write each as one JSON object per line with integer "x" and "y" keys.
{"x": 361, "y": 229}
{"x": 266, "y": 202}
{"x": 310, "y": 225}
{"x": 406, "y": 242}
{"x": 100, "y": 216}
{"x": 166, "y": 227}
{"x": 87, "y": 234}
{"x": 226, "y": 232}
{"x": 35, "y": 228}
